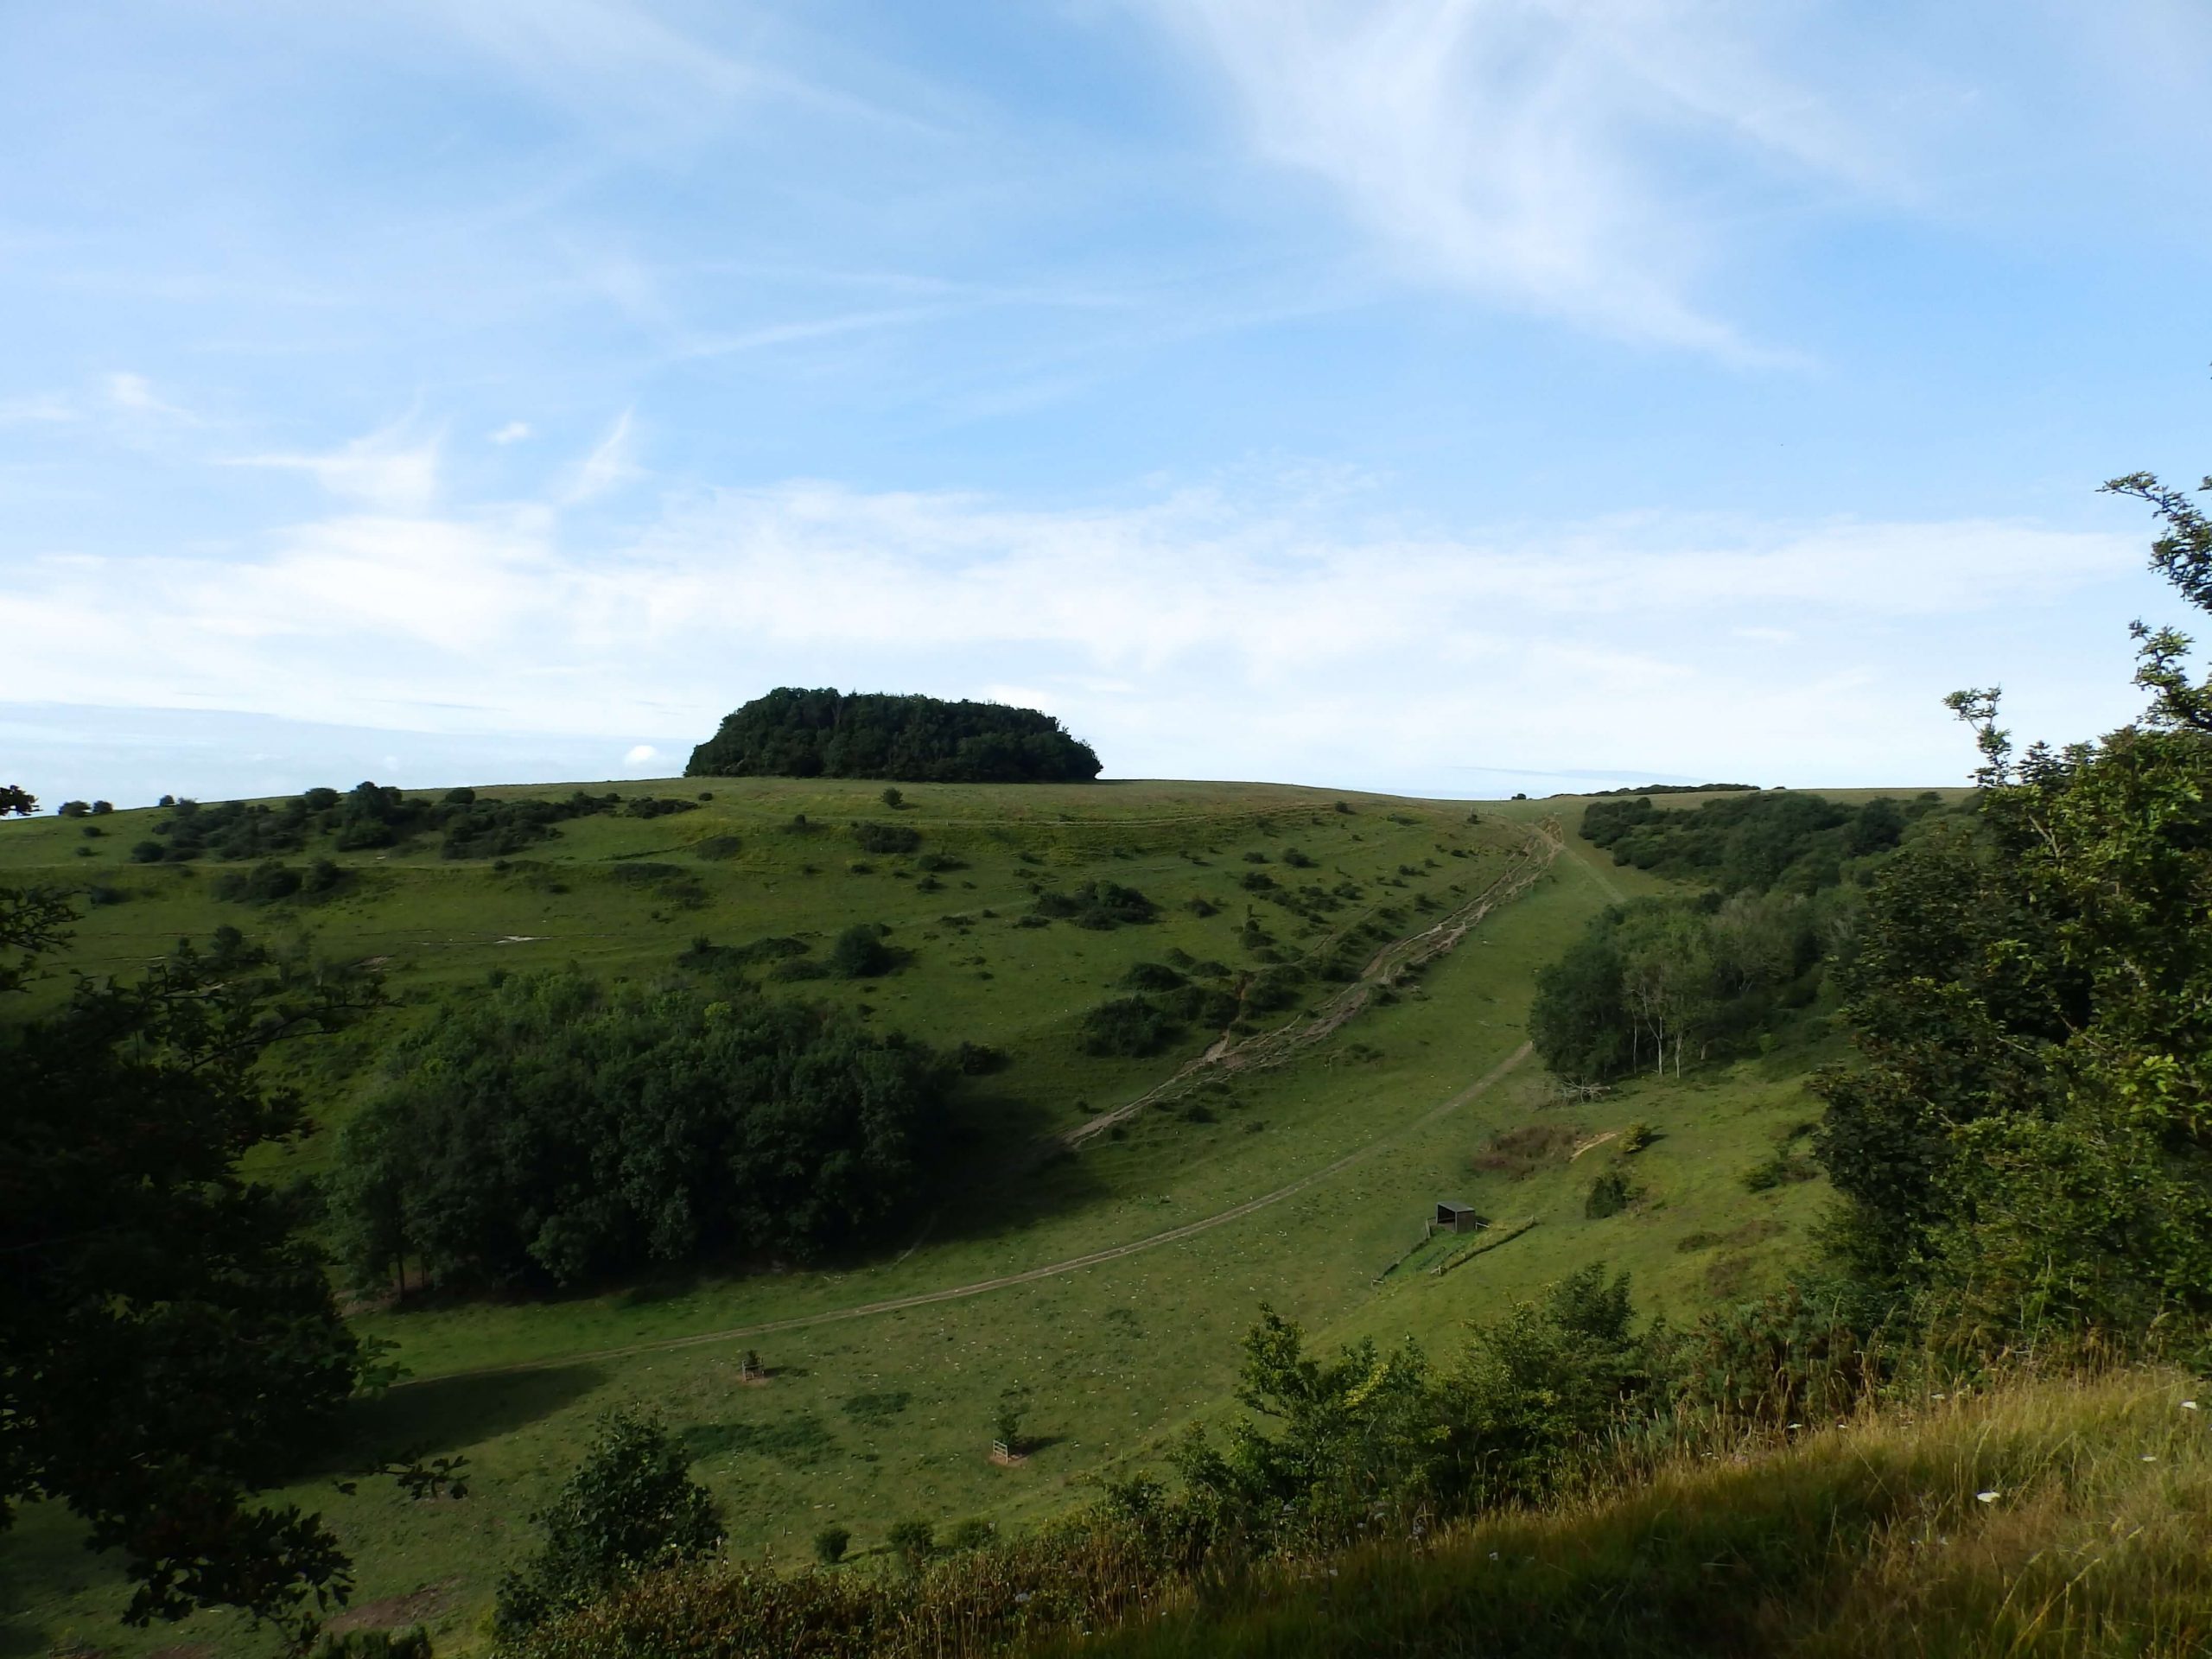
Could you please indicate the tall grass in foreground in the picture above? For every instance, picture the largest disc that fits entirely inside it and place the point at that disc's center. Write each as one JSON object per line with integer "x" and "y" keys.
{"x": 2048, "y": 1518}
{"x": 2045, "y": 1518}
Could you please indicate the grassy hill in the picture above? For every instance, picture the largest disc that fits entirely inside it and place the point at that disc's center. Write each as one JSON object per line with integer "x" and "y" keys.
{"x": 2052, "y": 1518}
{"x": 1102, "y": 1229}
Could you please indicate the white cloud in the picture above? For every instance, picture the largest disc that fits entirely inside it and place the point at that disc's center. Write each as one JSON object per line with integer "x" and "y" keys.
{"x": 1551, "y": 154}
{"x": 513, "y": 432}
{"x": 385, "y": 470}
{"x": 35, "y": 411}
{"x": 1191, "y": 634}
{"x": 133, "y": 394}
{"x": 618, "y": 63}
{"x": 610, "y": 465}
{"x": 643, "y": 755}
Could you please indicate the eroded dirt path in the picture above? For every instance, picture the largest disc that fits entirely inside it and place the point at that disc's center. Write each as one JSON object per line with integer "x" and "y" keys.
{"x": 1383, "y": 970}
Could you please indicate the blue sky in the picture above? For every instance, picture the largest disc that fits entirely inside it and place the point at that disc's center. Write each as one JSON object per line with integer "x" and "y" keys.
{"x": 1447, "y": 396}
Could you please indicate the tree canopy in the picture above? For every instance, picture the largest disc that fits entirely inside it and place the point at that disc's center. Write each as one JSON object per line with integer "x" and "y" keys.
{"x": 554, "y": 1130}
{"x": 630, "y": 1506}
{"x": 792, "y": 733}
{"x": 1779, "y": 838}
{"x": 2025, "y": 1149}
{"x": 169, "y": 1345}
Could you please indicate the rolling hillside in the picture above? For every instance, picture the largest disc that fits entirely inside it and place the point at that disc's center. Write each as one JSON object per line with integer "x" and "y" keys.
{"x": 1101, "y": 1229}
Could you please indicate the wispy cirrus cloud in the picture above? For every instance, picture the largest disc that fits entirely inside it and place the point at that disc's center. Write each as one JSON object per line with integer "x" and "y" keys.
{"x": 612, "y": 463}
{"x": 1547, "y": 155}
{"x": 388, "y": 470}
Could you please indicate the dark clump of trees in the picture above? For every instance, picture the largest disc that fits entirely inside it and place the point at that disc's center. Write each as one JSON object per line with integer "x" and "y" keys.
{"x": 554, "y": 1130}
{"x": 271, "y": 881}
{"x": 1673, "y": 789}
{"x": 1100, "y": 905}
{"x": 1127, "y": 1027}
{"x": 169, "y": 1346}
{"x": 371, "y": 816}
{"x": 887, "y": 838}
{"x": 1658, "y": 981}
{"x": 792, "y": 733}
{"x": 1780, "y": 838}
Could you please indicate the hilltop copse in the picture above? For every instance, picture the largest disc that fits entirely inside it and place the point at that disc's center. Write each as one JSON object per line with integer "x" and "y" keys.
{"x": 792, "y": 733}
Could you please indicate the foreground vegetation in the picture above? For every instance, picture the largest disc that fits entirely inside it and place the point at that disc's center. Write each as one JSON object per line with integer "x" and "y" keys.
{"x": 2045, "y": 1517}
{"x": 2060, "y": 1517}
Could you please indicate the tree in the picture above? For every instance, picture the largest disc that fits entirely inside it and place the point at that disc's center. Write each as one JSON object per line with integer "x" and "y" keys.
{"x": 630, "y": 1506}
{"x": 74, "y": 810}
{"x": 859, "y": 953}
{"x": 2024, "y": 1150}
{"x": 831, "y": 1543}
{"x": 16, "y": 800}
{"x": 2182, "y": 554}
{"x": 893, "y": 798}
{"x": 553, "y": 1129}
{"x": 169, "y": 1347}
{"x": 1328, "y": 1443}
{"x": 1005, "y": 1422}
{"x": 829, "y": 734}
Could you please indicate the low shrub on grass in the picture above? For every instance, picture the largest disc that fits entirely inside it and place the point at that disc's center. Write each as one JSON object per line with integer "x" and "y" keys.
{"x": 264, "y": 884}
{"x": 1781, "y": 1170}
{"x": 1150, "y": 976}
{"x": 1099, "y": 905}
{"x": 1128, "y": 1027}
{"x": 887, "y": 838}
{"x": 1609, "y": 1193}
{"x": 861, "y": 953}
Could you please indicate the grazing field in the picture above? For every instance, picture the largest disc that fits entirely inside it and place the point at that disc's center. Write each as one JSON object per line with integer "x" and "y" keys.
{"x": 1096, "y": 1257}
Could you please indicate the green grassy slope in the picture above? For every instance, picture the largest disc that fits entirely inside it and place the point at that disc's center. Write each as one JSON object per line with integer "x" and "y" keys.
{"x": 1297, "y": 1186}
{"x": 2055, "y": 1520}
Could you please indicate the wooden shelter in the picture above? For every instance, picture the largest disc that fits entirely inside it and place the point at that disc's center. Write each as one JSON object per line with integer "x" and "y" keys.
{"x": 1458, "y": 1218}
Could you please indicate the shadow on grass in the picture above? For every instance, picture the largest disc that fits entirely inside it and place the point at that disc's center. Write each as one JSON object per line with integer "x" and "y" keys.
{"x": 451, "y": 1414}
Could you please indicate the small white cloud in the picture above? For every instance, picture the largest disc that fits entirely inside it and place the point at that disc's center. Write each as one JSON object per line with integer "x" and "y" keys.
{"x": 134, "y": 394}
{"x": 132, "y": 391}
{"x": 382, "y": 470}
{"x": 513, "y": 432}
{"x": 642, "y": 755}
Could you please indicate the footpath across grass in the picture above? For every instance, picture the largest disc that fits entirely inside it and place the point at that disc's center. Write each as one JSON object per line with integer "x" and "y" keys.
{"x": 868, "y": 1422}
